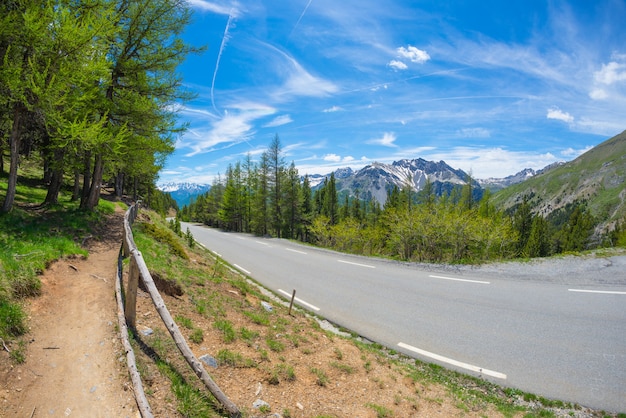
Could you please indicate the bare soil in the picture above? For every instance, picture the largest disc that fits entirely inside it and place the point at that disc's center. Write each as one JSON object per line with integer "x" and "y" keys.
{"x": 72, "y": 365}
{"x": 75, "y": 365}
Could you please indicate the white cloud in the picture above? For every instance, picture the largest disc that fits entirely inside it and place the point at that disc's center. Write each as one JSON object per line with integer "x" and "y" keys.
{"x": 299, "y": 82}
{"x": 598, "y": 94}
{"x": 573, "y": 153}
{"x": 209, "y": 6}
{"x": 334, "y": 158}
{"x": 491, "y": 162}
{"x": 413, "y": 54}
{"x": 387, "y": 140}
{"x": 611, "y": 73}
{"x": 332, "y": 109}
{"x": 234, "y": 127}
{"x": 279, "y": 121}
{"x": 558, "y": 114}
{"x": 397, "y": 65}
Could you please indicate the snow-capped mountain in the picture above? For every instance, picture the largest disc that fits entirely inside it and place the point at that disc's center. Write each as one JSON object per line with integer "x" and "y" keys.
{"x": 373, "y": 181}
{"x": 183, "y": 193}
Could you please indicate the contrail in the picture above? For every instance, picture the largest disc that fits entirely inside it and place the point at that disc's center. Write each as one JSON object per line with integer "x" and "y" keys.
{"x": 300, "y": 18}
{"x": 219, "y": 56}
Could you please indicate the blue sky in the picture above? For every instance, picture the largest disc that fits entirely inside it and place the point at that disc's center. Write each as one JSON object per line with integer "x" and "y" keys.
{"x": 489, "y": 86}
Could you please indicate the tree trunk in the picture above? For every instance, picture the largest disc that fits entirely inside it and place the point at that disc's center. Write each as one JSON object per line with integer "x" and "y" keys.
{"x": 76, "y": 189}
{"x": 119, "y": 184}
{"x": 86, "y": 179}
{"x": 55, "y": 180}
{"x": 14, "y": 147}
{"x": 96, "y": 183}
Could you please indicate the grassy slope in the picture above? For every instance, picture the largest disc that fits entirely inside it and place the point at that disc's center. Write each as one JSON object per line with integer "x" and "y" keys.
{"x": 30, "y": 238}
{"x": 598, "y": 176}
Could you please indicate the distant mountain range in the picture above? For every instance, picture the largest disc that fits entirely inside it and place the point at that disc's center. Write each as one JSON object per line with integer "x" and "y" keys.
{"x": 183, "y": 193}
{"x": 373, "y": 181}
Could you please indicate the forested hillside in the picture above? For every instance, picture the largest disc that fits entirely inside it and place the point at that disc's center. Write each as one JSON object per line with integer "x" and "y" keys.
{"x": 268, "y": 198}
{"x": 595, "y": 183}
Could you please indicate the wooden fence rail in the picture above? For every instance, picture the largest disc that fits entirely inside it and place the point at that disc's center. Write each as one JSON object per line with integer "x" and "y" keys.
{"x": 137, "y": 269}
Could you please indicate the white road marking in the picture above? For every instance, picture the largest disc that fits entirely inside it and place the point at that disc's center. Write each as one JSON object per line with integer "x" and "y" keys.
{"x": 357, "y": 264}
{"x": 262, "y": 243}
{"x": 606, "y": 292}
{"x": 295, "y": 251}
{"x": 459, "y": 280}
{"x": 300, "y": 301}
{"x": 447, "y": 360}
{"x": 242, "y": 269}
{"x": 216, "y": 253}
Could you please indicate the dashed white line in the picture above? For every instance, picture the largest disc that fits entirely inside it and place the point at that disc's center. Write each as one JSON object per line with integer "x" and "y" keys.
{"x": 295, "y": 251}
{"x": 459, "y": 280}
{"x": 300, "y": 301}
{"x": 242, "y": 269}
{"x": 357, "y": 264}
{"x": 456, "y": 363}
{"x": 606, "y": 292}
{"x": 262, "y": 243}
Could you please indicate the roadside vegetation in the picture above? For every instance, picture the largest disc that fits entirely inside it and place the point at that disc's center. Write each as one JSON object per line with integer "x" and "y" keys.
{"x": 222, "y": 311}
{"x": 291, "y": 357}
{"x": 269, "y": 198}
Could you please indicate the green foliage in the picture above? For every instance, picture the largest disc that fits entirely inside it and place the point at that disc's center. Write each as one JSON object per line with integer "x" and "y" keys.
{"x": 164, "y": 236}
{"x": 12, "y": 320}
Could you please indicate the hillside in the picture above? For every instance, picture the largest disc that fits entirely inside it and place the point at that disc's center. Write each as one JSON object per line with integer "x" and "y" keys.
{"x": 597, "y": 177}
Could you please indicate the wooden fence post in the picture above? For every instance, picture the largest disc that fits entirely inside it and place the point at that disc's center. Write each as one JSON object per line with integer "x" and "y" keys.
{"x": 130, "y": 308}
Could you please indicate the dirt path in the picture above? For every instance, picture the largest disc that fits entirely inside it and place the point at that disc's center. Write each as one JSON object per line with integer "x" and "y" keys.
{"x": 75, "y": 365}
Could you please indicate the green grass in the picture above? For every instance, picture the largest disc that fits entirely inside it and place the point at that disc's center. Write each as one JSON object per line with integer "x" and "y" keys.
{"x": 32, "y": 237}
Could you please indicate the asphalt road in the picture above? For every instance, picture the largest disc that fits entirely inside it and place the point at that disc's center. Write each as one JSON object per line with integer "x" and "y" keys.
{"x": 562, "y": 339}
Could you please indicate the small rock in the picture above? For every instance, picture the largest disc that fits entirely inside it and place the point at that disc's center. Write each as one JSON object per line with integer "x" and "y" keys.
{"x": 299, "y": 406}
{"x": 259, "y": 403}
{"x": 259, "y": 388}
{"x": 147, "y": 331}
{"x": 267, "y": 306}
{"x": 209, "y": 361}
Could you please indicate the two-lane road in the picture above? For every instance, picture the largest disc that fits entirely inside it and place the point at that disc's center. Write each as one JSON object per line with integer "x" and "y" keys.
{"x": 539, "y": 336}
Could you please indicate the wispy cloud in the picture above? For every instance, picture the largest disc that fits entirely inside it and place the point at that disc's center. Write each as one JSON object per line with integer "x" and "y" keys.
{"x": 387, "y": 140}
{"x": 474, "y": 133}
{"x": 299, "y": 82}
{"x": 301, "y": 16}
{"x": 213, "y": 7}
{"x": 235, "y": 126}
{"x": 332, "y": 109}
{"x": 219, "y": 56}
{"x": 278, "y": 121}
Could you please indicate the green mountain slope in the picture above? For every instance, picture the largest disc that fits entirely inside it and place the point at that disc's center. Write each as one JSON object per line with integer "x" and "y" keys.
{"x": 597, "y": 177}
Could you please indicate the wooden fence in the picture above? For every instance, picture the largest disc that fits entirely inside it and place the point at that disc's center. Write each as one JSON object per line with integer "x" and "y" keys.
{"x": 126, "y": 316}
